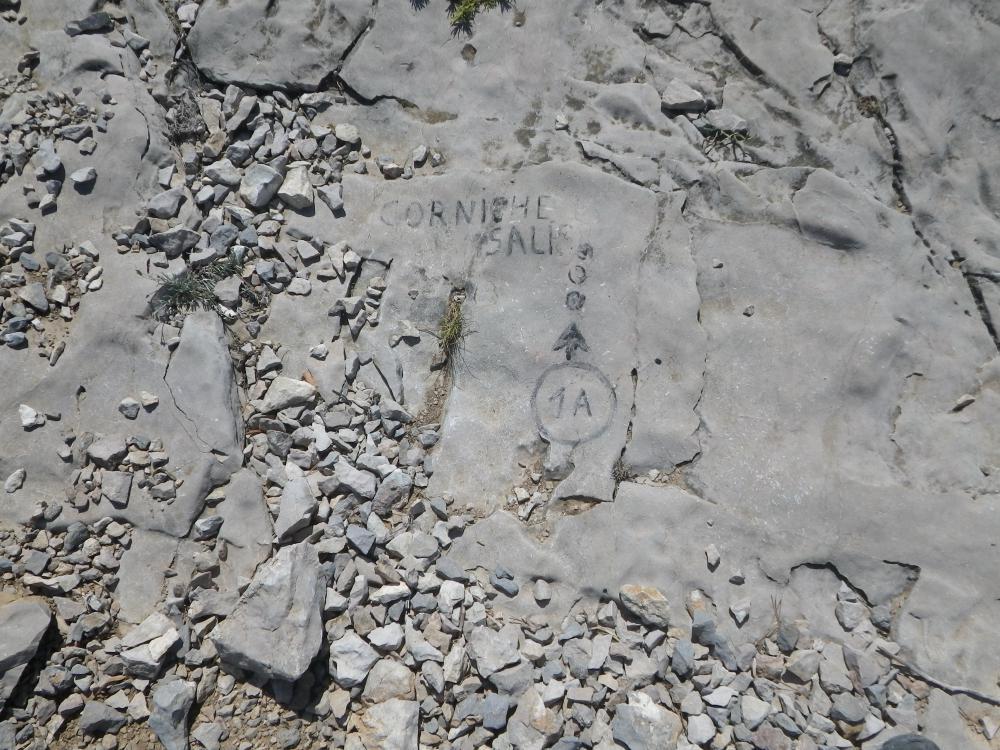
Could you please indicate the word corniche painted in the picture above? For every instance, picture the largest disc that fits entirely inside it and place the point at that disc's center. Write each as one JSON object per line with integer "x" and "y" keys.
{"x": 473, "y": 211}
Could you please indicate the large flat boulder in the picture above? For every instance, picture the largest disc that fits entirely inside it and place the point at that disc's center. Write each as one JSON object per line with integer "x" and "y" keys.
{"x": 262, "y": 43}
{"x": 572, "y": 315}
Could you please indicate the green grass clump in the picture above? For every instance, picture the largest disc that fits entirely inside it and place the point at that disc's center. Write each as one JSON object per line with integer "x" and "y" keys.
{"x": 451, "y": 332}
{"x": 463, "y": 12}
{"x": 193, "y": 288}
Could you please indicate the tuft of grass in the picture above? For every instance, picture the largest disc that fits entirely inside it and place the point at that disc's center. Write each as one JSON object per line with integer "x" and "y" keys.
{"x": 192, "y": 289}
{"x": 621, "y": 471}
{"x": 452, "y": 330}
{"x": 461, "y": 13}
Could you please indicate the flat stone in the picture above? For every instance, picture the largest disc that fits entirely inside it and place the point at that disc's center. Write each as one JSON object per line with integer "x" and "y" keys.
{"x": 679, "y": 97}
{"x": 296, "y": 509}
{"x": 347, "y": 479}
{"x": 98, "y": 719}
{"x": 285, "y": 392}
{"x": 116, "y": 486}
{"x": 174, "y": 241}
{"x": 33, "y": 295}
{"x": 803, "y": 665}
{"x": 700, "y": 729}
{"x": 146, "y": 660}
{"x": 393, "y": 490}
{"x": 229, "y": 43}
{"x": 493, "y": 650}
{"x": 754, "y": 711}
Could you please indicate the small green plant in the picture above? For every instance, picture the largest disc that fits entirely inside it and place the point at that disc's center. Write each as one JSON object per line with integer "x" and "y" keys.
{"x": 193, "y": 288}
{"x": 462, "y": 13}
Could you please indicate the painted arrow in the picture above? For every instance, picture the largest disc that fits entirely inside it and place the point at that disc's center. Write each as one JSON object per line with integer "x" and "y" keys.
{"x": 571, "y": 340}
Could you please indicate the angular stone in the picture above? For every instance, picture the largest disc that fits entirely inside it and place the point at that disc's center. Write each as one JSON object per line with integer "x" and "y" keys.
{"x": 146, "y": 660}
{"x": 351, "y": 658}
{"x": 347, "y": 479}
{"x": 493, "y": 650}
{"x": 296, "y": 191}
{"x": 297, "y": 508}
{"x": 285, "y": 392}
{"x": 116, "y": 486}
{"x": 640, "y": 724}
{"x": 99, "y": 718}
{"x": 394, "y": 490}
{"x": 259, "y": 185}
{"x": 33, "y": 295}
{"x": 392, "y": 725}
{"x": 165, "y": 205}
{"x": 679, "y": 97}
{"x": 23, "y": 622}
{"x": 276, "y": 629}
{"x": 700, "y": 729}
{"x": 174, "y": 241}
{"x": 388, "y": 679}
{"x": 803, "y": 664}
{"x": 172, "y": 701}
{"x": 533, "y": 725}
{"x": 647, "y": 604}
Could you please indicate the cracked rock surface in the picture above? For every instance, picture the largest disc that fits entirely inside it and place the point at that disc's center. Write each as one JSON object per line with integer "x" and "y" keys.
{"x": 587, "y": 375}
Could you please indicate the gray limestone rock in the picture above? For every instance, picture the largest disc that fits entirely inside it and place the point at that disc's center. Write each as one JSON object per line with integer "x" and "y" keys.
{"x": 285, "y": 392}
{"x": 14, "y": 481}
{"x": 296, "y": 191}
{"x": 172, "y": 700}
{"x": 99, "y": 719}
{"x": 640, "y": 724}
{"x": 301, "y": 45}
{"x": 276, "y": 628}
{"x": 348, "y": 479}
{"x": 259, "y": 185}
{"x": 351, "y": 658}
{"x": 23, "y": 622}
{"x": 393, "y": 490}
{"x": 392, "y": 725}
{"x": 297, "y": 508}
{"x": 493, "y": 650}
{"x": 165, "y": 205}
{"x": 174, "y": 241}
{"x": 116, "y": 486}
{"x": 388, "y": 679}
{"x": 646, "y": 603}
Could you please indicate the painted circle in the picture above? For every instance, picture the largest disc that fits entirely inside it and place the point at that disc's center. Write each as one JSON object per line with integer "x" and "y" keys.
{"x": 573, "y": 402}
